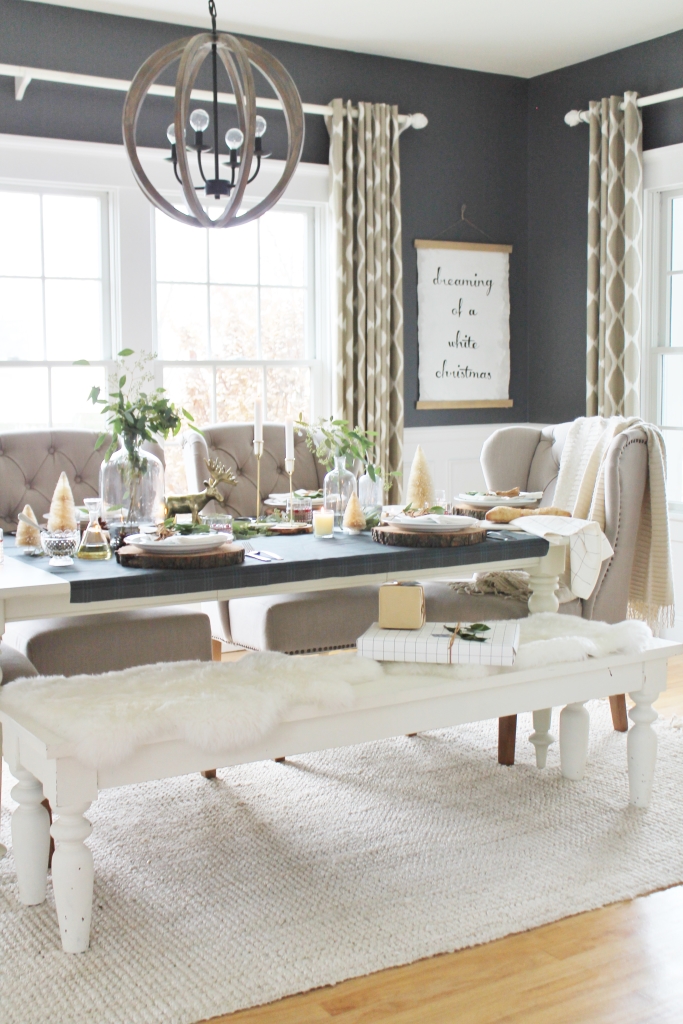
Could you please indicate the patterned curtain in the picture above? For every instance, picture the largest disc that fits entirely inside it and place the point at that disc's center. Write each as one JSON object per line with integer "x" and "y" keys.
{"x": 366, "y": 200}
{"x": 615, "y": 266}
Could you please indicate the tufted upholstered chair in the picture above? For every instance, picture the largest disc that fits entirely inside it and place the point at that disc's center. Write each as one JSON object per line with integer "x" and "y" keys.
{"x": 30, "y": 464}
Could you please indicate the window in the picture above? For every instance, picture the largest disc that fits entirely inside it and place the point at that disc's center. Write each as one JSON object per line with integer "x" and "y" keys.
{"x": 666, "y": 327}
{"x": 54, "y": 306}
{"x": 236, "y": 316}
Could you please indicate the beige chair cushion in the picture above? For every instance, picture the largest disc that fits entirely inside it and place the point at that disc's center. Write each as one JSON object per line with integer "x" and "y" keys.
{"x": 14, "y": 665}
{"x": 106, "y": 643}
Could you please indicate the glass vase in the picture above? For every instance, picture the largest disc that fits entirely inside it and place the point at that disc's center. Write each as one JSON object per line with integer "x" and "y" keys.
{"x": 370, "y": 492}
{"x": 338, "y": 486}
{"x": 132, "y": 489}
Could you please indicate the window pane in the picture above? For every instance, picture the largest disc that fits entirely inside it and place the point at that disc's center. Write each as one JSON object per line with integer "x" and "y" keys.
{"x": 73, "y": 319}
{"x": 190, "y": 387}
{"x": 234, "y": 320}
{"x": 180, "y": 249}
{"x": 672, "y": 390}
{"x": 175, "y": 480}
{"x": 72, "y": 236}
{"x": 233, "y": 255}
{"x": 282, "y": 323}
{"x": 677, "y": 233}
{"x": 674, "y": 464}
{"x": 288, "y": 391}
{"x": 676, "y": 311}
{"x": 182, "y": 321}
{"x": 71, "y": 386}
{"x": 20, "y": 233}
{"x": 23, "y": 397}
{"x": 283, "y": 248}
{"x": 21, "y": 318}
{"x": 236, "y": 389}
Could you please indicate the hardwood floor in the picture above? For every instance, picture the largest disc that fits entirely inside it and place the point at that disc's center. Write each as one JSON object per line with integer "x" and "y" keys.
{"x": 622, "y": 964}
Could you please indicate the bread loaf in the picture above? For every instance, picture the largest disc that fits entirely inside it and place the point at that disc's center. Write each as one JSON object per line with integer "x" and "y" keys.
{"x": 505, "y": 514}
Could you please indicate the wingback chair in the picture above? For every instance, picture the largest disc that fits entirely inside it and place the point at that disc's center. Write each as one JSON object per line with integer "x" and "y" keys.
{"x": 30, "y": 464}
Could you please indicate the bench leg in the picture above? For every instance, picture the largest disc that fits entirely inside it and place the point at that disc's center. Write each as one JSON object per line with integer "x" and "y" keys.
{"x": 618, "y": 708}
{"x": 507, "y": 735}
{"x": 210, "y": 773}
{"x": 72, "y": 877}
{"x": 641, "y": 747}
{"x": 541, "y": 737}
{"x": 574, "y": 727}
{"x": 30, "y": 837}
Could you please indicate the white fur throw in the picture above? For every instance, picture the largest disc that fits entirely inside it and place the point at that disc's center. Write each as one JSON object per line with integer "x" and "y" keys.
{"x": 218, "y": 707}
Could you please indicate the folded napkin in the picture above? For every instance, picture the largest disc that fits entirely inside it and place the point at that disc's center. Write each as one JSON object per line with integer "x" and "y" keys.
{"x": 588, "y": 547}
{"x": 434, "y": 519}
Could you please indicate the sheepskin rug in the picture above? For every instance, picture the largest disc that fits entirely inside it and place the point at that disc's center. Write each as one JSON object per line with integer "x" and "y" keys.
{"x": 218, "y": 707}
{"x": 273, "y": 878}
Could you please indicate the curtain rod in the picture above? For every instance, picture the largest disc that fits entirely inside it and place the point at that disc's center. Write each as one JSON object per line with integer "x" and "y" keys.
{"x": 574, "y": 117}
{"x": 23, "y": 76}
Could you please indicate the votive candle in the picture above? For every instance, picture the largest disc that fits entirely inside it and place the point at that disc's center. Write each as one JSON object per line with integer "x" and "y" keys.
{"x": 323, "y": 523}
{"x": 289, "y": 438}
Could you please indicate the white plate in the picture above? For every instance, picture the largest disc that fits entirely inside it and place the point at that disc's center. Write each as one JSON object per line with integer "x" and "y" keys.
{"x": 491, "y": 500}
{"x": 191, "y": 545}
{"x": 436, "y": 523}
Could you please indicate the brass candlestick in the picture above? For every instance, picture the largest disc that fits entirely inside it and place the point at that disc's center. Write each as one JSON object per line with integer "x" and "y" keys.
{"x": 289, "y": 466}
{"x": 258, "y": 452}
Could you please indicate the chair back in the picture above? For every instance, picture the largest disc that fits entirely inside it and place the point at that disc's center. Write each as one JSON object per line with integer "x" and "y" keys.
{"x": 233, "y": 445}
{"x": 31, "y": 462}
{"x": 529, "y": 458}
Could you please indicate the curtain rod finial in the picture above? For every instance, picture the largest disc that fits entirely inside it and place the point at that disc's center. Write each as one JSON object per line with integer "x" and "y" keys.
{"x": 418, "y": 121}
{"x": 574, "y": 117}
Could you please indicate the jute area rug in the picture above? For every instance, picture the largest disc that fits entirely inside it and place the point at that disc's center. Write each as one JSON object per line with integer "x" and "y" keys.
{"x": 274, "y": 879}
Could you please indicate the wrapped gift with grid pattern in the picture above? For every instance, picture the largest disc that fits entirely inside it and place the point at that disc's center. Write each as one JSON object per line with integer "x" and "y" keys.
{"x": 435, "y": 644}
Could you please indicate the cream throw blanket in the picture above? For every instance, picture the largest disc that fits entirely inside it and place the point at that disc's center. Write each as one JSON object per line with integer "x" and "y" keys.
{"x": 581, "y": 491}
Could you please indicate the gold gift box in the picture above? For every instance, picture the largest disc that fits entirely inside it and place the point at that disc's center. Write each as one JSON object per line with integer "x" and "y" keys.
{"x": 401, "y": 606}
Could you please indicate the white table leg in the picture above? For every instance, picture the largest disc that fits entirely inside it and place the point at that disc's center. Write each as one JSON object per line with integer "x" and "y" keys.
{"x": 541, "y": 737}
{"x": 641, "y": 748}
{"x": 30, "y": 837}
{"x": 574, "y": 726}
{"x": 544, "y": 580}
{"x": 72, "y": 877}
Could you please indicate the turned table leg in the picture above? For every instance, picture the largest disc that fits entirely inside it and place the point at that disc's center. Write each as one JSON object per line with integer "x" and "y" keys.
{"x": 30, "y": 837}
{"x": 574, "y": 726}
{"x": 73, "y": 877}
{"x": 541, "y": 737}
{"x": 543, "y": 581}
{"x": 641, "y": 748}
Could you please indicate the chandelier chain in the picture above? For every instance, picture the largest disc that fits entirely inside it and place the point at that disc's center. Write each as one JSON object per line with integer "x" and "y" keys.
{"x": 212, "y": 12}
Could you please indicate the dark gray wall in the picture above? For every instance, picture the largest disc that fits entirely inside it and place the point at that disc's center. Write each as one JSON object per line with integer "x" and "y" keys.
{"x": 558, "y": 190}
{"x": 473, "y": 151}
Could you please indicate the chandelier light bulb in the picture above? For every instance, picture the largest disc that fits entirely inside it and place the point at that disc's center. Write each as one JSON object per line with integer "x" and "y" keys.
{"x": 170, "y": 134}
{"x": 199, "y": 120}
{"x": 261, "y": 125}
{"x": 234, "y": 138}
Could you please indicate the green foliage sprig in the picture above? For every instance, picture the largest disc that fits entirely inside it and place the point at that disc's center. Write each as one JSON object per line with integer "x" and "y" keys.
{"x": 134, "y": 414}
{"x": 331, "y": 438}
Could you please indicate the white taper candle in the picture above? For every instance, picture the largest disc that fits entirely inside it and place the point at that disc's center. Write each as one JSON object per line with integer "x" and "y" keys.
{"x": 258, "y": 420}
{"x": 289, "y": 438}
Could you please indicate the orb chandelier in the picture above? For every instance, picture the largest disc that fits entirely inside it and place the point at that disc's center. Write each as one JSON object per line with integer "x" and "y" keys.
{"x": 244, "y": 143}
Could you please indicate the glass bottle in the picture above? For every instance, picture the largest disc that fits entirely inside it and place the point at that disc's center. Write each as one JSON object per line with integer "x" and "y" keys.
{"x": 132, "y": 488}
{"x": 338, "y": 486}
{"x": 371, "y": 492}
{"x": 94, "y": 543}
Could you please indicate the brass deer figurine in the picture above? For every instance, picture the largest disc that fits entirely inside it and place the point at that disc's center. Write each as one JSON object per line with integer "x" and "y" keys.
{"x": 194, "y": 503}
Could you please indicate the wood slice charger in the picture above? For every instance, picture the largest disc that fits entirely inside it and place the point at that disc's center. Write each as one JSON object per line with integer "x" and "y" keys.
{"x": 134, "y": 558}
{"x": 404, "y": 537}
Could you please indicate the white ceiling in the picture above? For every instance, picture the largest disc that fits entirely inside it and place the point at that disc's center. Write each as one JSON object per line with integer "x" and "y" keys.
{"x": 516, "y": 37}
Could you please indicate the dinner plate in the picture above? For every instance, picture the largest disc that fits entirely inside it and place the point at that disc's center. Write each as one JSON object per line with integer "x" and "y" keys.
{"x": 491, "y": 500}
{"x": 189, "y": 545}
{"x": 436, "y": 523}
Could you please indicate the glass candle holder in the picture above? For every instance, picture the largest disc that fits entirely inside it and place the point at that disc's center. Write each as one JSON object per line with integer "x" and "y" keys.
{"x": 218, "y": 522}
{"x": 323, "y": 523}
{"x": 60, "y": 545}
{"x": 300, "y": 510}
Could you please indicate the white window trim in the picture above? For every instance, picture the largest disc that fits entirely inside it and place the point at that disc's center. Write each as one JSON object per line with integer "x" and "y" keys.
{"x": 27, "y": 161}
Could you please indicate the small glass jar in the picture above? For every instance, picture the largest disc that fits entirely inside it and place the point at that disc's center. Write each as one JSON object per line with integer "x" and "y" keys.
{"x": 60, "y": 545}
{"x": 132, "y": 488}
{"x": 218, "y": 523}
{"x": 338, "y": 486}
{"x": 323, "y": 523}
{"x": 300, "y": 510}
{"x": 370, "y": 492}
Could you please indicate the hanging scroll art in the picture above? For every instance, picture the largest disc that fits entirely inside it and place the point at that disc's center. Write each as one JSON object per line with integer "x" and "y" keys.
{"x": 463, "y": 325}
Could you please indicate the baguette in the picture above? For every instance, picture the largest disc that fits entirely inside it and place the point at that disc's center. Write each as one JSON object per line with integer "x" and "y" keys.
{"x": 505, "y": 514}
{"x": 514, "y": 493}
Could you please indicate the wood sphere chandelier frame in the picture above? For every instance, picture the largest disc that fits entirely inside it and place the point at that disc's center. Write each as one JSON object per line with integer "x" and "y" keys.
{"x": 237, "y": 56}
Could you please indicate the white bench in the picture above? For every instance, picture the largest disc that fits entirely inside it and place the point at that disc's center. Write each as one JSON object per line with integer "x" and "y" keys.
{"x": 45, "y": 766}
